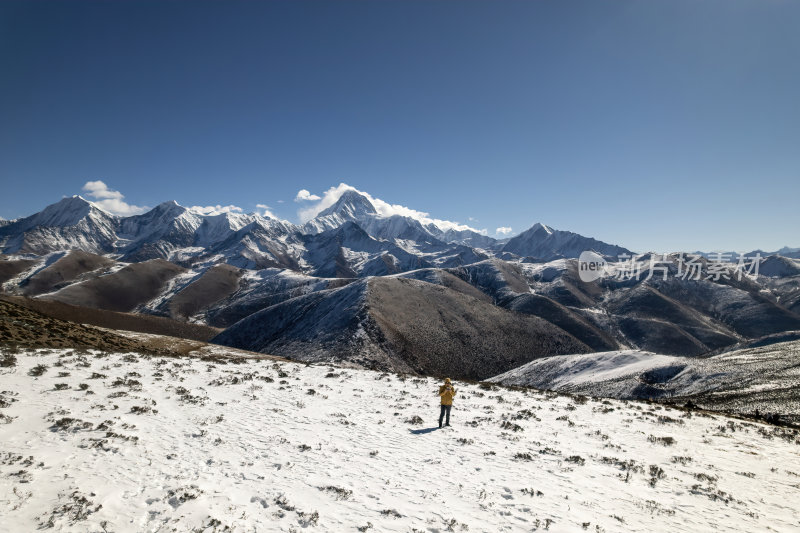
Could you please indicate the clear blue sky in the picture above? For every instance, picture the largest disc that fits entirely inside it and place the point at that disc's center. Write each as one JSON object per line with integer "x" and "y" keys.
{"x": 659, "y": 125}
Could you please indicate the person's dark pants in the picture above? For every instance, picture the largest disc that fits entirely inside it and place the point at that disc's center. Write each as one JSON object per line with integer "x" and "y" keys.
{"x": 445, "y": 410}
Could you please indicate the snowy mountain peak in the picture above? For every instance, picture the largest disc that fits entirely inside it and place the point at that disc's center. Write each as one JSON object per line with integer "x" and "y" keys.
{"x": 351, "y": 205}
{"x": 545, "y": 243}
{"x": 169, "y": 207}
{"x": 163, "y": 214}
{"x": 68, "y": 211}
{"x": 70, "y": 202}
{"x": 540, "y": 227}
{"x": 71, "y": 223}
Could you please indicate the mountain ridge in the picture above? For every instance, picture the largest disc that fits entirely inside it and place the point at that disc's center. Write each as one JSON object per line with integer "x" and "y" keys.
{"x": 219, "y": 270}
{"x": 176, "y": 233}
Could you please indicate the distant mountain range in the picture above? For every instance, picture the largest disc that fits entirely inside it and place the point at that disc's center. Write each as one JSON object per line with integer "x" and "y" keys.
{"x": 176, "y": 233}
{"x": 347, "y": 239}
{"x": 394, "y": 292}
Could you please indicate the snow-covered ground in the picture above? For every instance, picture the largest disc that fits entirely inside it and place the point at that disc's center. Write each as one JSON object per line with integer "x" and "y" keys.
{"x": 565, "y": 372}
{"x": 116, "y": 442}
{"x": 764, "y": 377}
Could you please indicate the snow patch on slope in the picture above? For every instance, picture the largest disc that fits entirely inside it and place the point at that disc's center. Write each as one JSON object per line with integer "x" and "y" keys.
{"x": 565, "y": 371}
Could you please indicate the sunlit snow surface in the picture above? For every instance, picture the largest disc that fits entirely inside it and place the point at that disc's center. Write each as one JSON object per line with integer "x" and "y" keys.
{"x": 755, "y": 377}
{"x": 163, "y": 444}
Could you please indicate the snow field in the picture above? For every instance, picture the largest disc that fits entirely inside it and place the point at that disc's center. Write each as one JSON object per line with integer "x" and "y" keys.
{"x": 126, "y": 442}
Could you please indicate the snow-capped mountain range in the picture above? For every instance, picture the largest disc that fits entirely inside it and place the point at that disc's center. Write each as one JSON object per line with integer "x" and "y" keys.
{"x": 349, "y": 238}
{"x": 406, "y": 293}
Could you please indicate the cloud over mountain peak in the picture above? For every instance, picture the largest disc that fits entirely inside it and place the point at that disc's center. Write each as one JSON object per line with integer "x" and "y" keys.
{"x": 111, "y": 200}
{"x": 383, "y": 208}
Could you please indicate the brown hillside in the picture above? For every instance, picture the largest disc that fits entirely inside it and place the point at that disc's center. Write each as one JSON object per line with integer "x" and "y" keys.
{"x": 115, "y": 320}
{"x": 13, "y": 267}
{"x": 216, "y": 284}
{"x": 124, "y": 290}
{"x": 23, "y": 327}
{"x": 68, "y": 268}
{"x": 438, "y": 331}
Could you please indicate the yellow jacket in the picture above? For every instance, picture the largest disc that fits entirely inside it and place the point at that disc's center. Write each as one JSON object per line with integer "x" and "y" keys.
{"x": 447, "y": 392}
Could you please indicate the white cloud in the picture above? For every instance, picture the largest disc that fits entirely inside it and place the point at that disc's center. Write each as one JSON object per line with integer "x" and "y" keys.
{"x": 505, "y": 230}
{"x": 304, "y": 195}
{"x": 383, "y": 208}
{"x": 266, "y": 211}
{"x": 110, "y": 200}
{"x": 215, "y": 209}
{"x": 472, "y": 219}
{"x": 100, "y": 190}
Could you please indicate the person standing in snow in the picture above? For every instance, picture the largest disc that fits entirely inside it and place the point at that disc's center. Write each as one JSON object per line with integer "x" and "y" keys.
{"x": 446, "y": 393}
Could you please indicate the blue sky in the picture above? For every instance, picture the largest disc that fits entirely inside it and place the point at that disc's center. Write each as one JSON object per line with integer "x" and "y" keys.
{"x": 663, "y": 125}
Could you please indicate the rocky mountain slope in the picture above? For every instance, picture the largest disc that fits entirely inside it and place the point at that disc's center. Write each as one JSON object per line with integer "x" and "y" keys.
{"x": 401, "y": 325}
